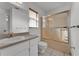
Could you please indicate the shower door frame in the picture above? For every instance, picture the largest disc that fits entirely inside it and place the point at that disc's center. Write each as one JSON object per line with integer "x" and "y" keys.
{"x": 68, "y": 22}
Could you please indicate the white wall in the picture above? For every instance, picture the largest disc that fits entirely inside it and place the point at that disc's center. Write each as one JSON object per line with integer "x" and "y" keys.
{"x": 75, "y": 31}
{"x": 3, "y": 22}
{"x": 19, "y": 21}
{"x": 19, "y": 25}
{"x": 39, "y": 10}
{"x": 28, "y": 5}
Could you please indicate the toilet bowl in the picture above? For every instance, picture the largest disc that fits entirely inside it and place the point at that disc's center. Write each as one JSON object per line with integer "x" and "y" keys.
{"x": 42, "y": 47}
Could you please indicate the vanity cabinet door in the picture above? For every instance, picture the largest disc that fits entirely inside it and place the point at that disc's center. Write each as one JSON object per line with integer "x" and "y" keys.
{"x": 34, "y": 47}
{"x": 23, "y": 52}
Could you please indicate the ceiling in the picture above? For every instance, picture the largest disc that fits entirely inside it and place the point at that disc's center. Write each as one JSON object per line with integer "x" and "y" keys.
{"x": 48, "y": 6}
{"x": 45, "y": 6}
{"x": 8, "y": 5}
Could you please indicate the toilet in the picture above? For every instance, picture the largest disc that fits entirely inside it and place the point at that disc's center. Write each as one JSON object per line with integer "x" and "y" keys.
{"x": 42, "y": 47}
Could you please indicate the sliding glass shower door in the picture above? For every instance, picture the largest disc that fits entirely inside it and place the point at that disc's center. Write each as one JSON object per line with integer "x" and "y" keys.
{"x": 55, "y": 31}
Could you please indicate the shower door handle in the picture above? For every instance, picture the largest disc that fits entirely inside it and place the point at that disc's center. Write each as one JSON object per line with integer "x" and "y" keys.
{"x": 77, "y": 26}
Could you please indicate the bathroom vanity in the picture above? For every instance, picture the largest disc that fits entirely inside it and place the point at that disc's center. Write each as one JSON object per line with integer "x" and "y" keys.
{"x": 26, "y": 45}
{"x": 16, "y": 20}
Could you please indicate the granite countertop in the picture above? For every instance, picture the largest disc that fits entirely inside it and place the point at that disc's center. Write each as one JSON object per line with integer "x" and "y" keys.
{"x": 6, "y": 42}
